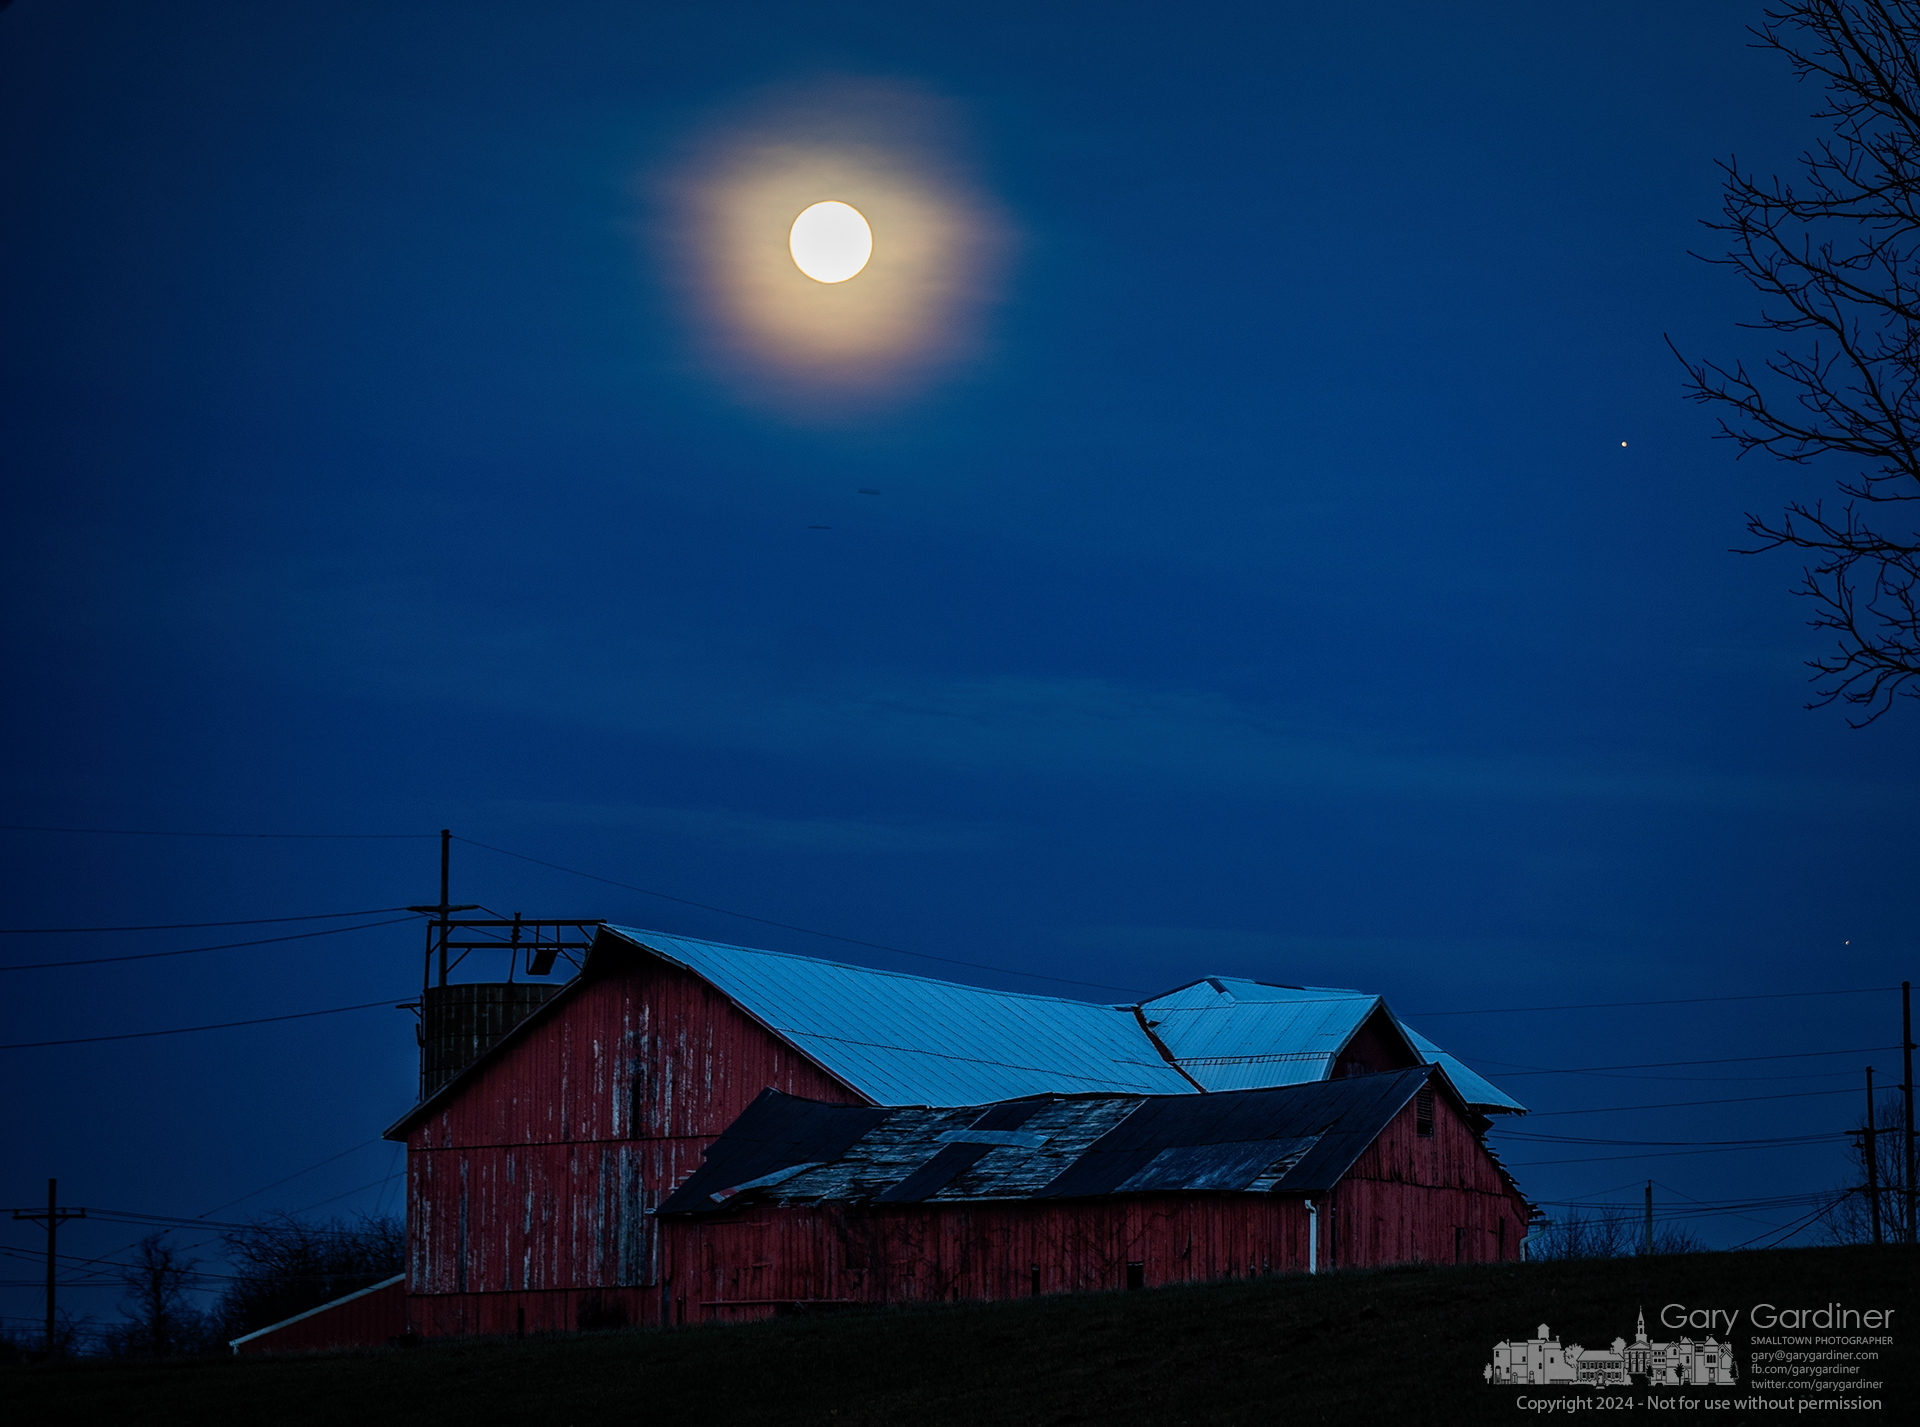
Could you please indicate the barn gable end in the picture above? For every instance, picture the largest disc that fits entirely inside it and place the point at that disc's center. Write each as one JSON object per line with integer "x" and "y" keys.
{"x": 531, "y": 1177}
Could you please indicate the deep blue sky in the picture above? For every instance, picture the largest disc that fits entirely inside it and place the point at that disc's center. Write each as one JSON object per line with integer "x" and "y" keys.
{"x": 1269, "y": 595}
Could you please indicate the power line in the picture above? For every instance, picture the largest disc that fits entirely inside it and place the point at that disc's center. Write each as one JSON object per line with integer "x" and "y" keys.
{"x": 1103, "y": 986}
{"x": 847, "y": 940}
{"x": 1676, "y": 1144}
{"x": 184, "y": 1030}
{"x": 175, "y": 1221}
{"x": 1782, "y": 1202}
{"x": 1656, "y": 1154}
{"x": 1686, "y": 1001}
{"x": 270, "y": 836}
{"x": 1678, "y": 1104}
{"x": 202, "y": 1222}
{"x": 1776, "y": 1201}
{"x": 380, "y": 1183}
{"x": 1511, "y": 1071}
{"x": 193, "y": 950}
{"x": 789, "y": 926}
{"x": 201, "y": 926}
{"x": 296, "y": 1174}
{"x": 1793, "y": 1228}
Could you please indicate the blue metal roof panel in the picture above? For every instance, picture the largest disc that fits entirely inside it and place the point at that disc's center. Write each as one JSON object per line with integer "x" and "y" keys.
{"x": 1230, "y": 1034}
{"x": 1474, "y": 1089}
{"x": 911, "y": 1040}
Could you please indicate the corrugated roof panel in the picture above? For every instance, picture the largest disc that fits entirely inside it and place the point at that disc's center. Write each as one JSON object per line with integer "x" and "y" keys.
{"x": 1229, "y": 1033}
{"x": 1474, "y": 1089}
{"x": 1246, "y": 1036}
{"x": 911, "y": 1040}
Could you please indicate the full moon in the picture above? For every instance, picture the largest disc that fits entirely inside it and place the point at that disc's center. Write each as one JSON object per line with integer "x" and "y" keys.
{"x": 830, "y": 242}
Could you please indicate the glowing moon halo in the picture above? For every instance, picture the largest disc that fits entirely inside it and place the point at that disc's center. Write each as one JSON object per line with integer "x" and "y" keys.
{"x": 830, "y": 242}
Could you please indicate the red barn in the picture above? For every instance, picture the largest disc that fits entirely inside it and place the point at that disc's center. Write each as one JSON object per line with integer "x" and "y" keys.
{"x": 533, "y": 1174}
{"x": 809, "y": 1203}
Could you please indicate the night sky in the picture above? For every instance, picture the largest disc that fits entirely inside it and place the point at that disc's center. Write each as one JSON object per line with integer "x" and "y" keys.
{"x": 1293, "y": 555}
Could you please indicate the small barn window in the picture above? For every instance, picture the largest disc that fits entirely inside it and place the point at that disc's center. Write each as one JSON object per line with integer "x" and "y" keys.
{"x": 1136, "y": 1275}
{"x": 1036, "y": 1280}
{"x": 1459, "y": 1244}
{"x": 1423, "y": 1113}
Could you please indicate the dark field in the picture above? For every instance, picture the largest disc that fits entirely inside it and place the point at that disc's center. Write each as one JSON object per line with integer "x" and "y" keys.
{"x": 1392, "y": 1345}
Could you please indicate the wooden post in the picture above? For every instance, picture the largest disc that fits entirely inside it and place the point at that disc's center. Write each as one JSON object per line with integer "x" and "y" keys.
{"x": 446, "y": 841}
{"x": 1873, "y": 1158}
{"x": 54, "y": 1215}
{"x": 1906, "y": 1085}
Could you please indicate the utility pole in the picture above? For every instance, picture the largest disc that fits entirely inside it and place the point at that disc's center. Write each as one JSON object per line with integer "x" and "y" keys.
{"x": 1906, "y": 1085}
{"x": 55, "y": 1216}
{"x": 1873, "y": 1158}
{"x": 442, "y": 912}
{"x": 446, "y": 853}
{"x": 1648, "y": 1249}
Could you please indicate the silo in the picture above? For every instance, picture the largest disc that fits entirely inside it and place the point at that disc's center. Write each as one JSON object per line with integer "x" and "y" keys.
{"x": 460, "y": 1023}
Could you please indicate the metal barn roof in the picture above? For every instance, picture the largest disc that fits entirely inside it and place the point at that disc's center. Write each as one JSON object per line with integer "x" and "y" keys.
{"x": 1475, "y": 1089}
{"x": 1292, "y": 1139}
{"x": 910, "y": 1040}
{"x": 1229, "y": 1033}
{"x": 913, "y": 1040}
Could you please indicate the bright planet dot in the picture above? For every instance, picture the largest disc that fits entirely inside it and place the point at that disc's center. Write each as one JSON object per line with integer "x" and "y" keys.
{"x": 830, "y": 242}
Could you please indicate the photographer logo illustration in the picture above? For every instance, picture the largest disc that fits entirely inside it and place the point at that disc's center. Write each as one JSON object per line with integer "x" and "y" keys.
{"x": 1798, "y": 1359}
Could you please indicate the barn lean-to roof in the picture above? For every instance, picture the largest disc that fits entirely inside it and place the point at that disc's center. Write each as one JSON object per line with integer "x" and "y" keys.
{"x": 899, "y": 1039}
{"x": 1297, "y": 1139}
{"x": 1229, "y": 1033}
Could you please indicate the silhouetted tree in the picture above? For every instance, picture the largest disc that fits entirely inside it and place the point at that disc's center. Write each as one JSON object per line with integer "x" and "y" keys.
{"x": 1607, "y": 1234}
{"x": 1837, "y": 261}
{"x": 70, "y": 1336}
{"x": 285, "y": 1266}
{"x": 161, "y": 1321}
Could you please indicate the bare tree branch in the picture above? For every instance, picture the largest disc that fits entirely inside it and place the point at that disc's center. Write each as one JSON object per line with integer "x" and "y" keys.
{"x": 1838, "y": 260}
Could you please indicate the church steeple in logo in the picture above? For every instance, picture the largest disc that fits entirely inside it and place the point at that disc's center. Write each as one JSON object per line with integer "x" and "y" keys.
{"x": 1544, "y": 1359}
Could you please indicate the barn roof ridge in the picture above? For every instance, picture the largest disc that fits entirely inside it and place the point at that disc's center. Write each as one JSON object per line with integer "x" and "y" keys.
{"x": 951, "y": 1042}
{"x": 631, "y": 932}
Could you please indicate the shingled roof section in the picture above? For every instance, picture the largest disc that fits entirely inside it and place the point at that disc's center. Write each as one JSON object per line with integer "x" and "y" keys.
{"x": 1296, "y": 1139}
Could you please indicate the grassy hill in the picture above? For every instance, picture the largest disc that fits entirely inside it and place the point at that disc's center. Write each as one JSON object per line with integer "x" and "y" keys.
{"x": 1393, "y": 1345}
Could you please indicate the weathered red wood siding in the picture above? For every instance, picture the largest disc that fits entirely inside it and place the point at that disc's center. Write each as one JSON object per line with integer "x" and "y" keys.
{"x": 1407, "y": 1195}
{"x": 528, "y": 1192}
{"x": 740, "y": 1266}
